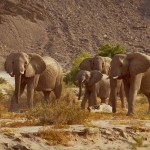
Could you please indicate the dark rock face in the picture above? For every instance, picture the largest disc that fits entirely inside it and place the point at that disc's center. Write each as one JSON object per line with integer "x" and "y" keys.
{"x": 64, "y": 28}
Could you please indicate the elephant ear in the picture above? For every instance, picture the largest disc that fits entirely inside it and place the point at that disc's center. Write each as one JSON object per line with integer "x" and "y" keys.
{"x": 95, "y": 76}
{"x": 138, "y": 63}
{"x": 35, "y": 66}
{"x": 106, "y": 66}
{"x": 8, "y": 65}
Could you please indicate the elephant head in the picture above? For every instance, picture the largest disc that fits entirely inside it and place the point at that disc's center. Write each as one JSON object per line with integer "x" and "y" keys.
{"x": 127, "y": 67}
{"x": 18, "y": 64}
{"x": 96, "y": 63}
{"x": 123, "y": 66}
{"x": 89, "y": 78}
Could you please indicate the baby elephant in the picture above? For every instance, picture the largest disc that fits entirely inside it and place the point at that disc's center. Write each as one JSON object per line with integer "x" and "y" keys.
{"x": 96, "y": 85}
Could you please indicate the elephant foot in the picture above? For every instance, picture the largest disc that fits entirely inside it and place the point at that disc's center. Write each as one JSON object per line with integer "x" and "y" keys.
{"x": 148, "y": 112}
{"x": 114, "y": 110}
{"x": 13, "y": 109}
{"x": 130, "y": 114}
{"x": 124, "y": 109}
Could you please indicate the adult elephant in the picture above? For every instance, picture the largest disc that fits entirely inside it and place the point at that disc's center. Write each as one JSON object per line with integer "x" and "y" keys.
{"x": 36, "y": 72}
{"x": 96, "y": 63}
{"x": 96, "y": 85}
{"x": 103, "y": 65}
{"x": 133, "y": 69}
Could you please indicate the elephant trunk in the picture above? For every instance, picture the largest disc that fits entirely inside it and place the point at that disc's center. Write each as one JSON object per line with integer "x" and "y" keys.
{"x": 17, "y": 86}
{"x": 113, "y": 94}
{"x": 80, "y": 90}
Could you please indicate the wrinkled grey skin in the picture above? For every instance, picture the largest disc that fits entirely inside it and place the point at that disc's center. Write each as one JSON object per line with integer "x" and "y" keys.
{"x": 35, "y": 72}
{"x": 96, "y": 85}
{"x": 133, "y": 68}
{"x": 96, "y": 63}
{"x": 103, "y": 65}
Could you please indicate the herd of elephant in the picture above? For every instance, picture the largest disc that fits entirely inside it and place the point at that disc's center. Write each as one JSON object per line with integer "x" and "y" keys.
{"x": 124, "y": 75}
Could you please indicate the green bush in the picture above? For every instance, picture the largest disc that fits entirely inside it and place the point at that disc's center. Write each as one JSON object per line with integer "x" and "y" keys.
{"x": 109, "y": 50}
{"x": 71, "y": 75}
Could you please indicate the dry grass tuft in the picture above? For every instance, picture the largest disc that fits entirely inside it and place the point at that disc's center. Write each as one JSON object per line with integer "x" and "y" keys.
{"x": 17, "y": 124}
{"x": 58, "y": 126}
{"x": 8, "y": 130}
{"x": 54, "y": 137}
{"x": 63, "y": 112}
{"x": 60, "y": 113}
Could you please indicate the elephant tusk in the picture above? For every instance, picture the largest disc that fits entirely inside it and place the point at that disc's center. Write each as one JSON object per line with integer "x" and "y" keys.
{"x": 82, "y": 80}
{"x": 12, "y": 74}
{"x": 22, "y": 72}
{"x": 116, "y": 77}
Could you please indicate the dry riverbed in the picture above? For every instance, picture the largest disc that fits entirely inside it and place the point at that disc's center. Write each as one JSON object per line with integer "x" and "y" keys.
{"x": 98, "y": 135}
{"x": 100, "y": 131}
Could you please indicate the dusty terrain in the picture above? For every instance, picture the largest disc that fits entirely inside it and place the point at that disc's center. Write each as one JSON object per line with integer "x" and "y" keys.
{"x": 102, "y": 135}
{"x": 100, "y": 131}
{"x": 64, "y": 28}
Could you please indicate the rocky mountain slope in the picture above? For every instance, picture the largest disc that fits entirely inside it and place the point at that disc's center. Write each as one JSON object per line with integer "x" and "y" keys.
{"x": 64, "y": 28}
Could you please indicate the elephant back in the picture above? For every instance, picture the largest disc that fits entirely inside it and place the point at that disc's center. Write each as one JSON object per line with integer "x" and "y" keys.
{"x": 86, "y": 64}
{"x": 51, "y": 75}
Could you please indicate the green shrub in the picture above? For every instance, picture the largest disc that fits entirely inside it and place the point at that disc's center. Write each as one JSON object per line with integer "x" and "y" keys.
{"x": 71, "y": 75}
{"x": 109, "y": 50}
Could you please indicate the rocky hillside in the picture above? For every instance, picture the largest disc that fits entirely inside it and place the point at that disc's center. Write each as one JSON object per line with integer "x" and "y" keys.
{"x": 64, "y": 28}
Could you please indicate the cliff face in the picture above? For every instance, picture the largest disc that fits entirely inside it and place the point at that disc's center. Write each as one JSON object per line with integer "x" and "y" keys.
{"x": 63, "y": 28}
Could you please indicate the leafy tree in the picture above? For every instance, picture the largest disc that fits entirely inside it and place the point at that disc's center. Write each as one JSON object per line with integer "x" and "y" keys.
{"x": 109, "y": 50}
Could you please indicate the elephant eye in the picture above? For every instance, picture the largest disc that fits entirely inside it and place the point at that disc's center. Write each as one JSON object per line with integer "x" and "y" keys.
{"x": 12, "y": 62}
{"x": 120, "y": 65}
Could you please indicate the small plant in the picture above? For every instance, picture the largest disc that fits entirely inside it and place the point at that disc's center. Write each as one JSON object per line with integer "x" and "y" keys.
{"x": 54, "y": 137}
{"x": 60, "y": 113}
{"x": 17, "y": 124}
{"x": 139, "y": 141}
{"x": 71, "y": 75}
{"x": 8, "y": 130}
{"x": 109, "y": 50}
{"x": 65, "y": 112}
{"x": 2, "y": 81}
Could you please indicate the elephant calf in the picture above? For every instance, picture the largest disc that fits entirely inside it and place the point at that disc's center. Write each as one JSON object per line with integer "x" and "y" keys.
{"x": 96, "y": 85}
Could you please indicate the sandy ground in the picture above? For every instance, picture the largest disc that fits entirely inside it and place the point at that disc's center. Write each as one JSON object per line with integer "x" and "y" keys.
{"x": 111, "y": 134}
{"x": 101, "y": 135}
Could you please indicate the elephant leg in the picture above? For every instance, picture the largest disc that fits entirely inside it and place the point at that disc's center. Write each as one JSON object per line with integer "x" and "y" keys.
{"x": 22, "y": 87}
{"x": 93, "y": 99}
{"x": 46, "y": 96}
{"x": 122, "y": 96}
{"x": 149, "y": 104}
{"x": 103, "y": 100}
{"x": 148, "y": 97}
{"x": 30, "y": 92}
{"x": 84, "y": 100}
{"x": 134, "y": 87}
